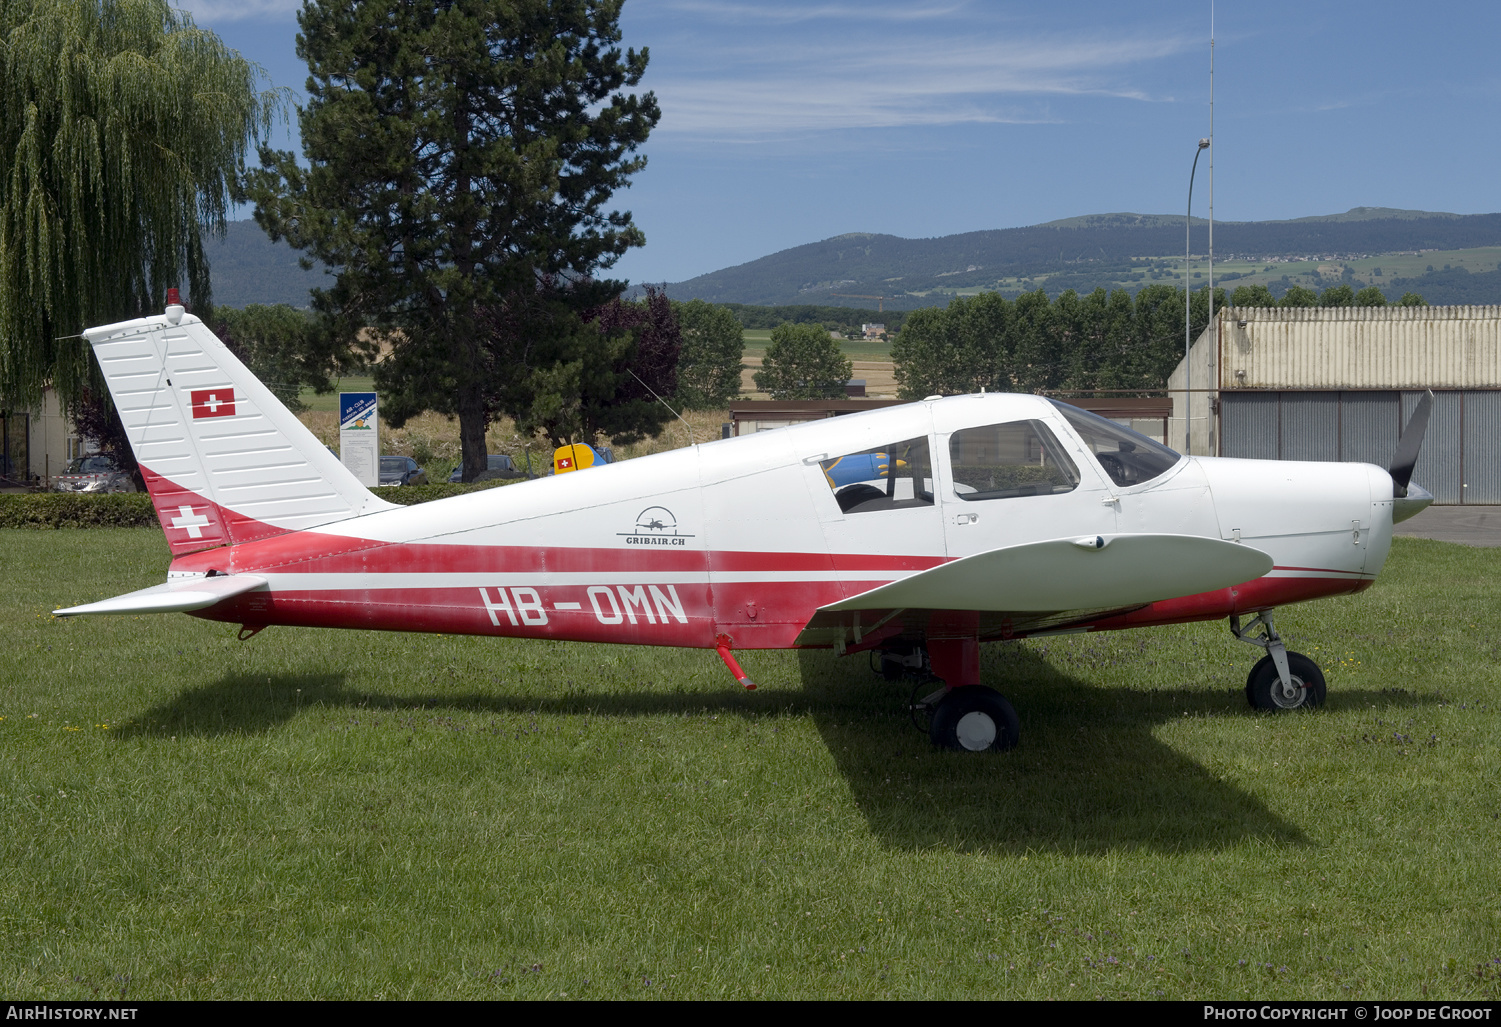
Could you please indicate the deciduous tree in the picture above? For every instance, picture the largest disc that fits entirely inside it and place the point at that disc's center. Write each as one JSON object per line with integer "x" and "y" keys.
{"x": 1252, "y": 296}
{"x": 283, "y": 347}
{"x": 802, "y": 362}
{"x": 1299, "y": 296}
{"x": 577, "y": 377}
{"x": 709, "y": 363}
{"x": 1337, "y": 296}
{"x": 950, "y": 351}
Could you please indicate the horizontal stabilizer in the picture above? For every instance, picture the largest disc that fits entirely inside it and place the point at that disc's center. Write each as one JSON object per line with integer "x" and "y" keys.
{"x": 180, "y": 596}
{"x": 1068, "y": 574}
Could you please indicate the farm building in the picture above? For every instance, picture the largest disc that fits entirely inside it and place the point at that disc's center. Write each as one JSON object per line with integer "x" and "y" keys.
{"x": 1338, "y": 383}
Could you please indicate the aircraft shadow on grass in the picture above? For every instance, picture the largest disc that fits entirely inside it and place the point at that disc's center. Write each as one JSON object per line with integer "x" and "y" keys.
{"x": 1089, "y": 775}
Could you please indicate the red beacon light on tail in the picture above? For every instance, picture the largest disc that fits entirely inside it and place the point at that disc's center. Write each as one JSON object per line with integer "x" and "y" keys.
{"x": 175, "y": 309}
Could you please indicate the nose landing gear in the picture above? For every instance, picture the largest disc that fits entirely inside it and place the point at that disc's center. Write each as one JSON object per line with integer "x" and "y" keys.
{"x": 1280, "y": 680}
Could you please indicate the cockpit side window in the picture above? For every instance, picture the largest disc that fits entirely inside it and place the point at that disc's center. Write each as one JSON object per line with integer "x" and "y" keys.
{"x": 1003, "y": 461}
{"x": 1127, "y": 456}
{"x": 894, "y": 477}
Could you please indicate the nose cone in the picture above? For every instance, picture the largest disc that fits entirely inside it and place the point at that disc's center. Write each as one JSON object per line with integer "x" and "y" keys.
{"x": 1415, "y": 502}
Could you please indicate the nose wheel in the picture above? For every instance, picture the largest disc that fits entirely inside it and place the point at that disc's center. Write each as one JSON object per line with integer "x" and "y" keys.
{"x": 1304, "y": 689}
{"x": 1280, "y": 680}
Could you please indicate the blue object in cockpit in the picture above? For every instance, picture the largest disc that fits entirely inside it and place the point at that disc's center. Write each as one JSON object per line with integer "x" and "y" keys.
{"x": 846, "y": 470}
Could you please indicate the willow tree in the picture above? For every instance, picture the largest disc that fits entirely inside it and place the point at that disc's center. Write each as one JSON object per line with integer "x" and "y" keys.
{"x": 122, "y": 128}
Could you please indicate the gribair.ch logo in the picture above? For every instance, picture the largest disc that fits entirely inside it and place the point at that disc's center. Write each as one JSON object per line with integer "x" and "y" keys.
{"x": 655, "y": 526}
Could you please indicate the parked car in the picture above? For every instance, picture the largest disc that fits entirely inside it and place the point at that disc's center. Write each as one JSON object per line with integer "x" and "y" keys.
{"x": 98, "y": 473}
{"x": 401, "y": 470}
{"x": 497, "y": 465}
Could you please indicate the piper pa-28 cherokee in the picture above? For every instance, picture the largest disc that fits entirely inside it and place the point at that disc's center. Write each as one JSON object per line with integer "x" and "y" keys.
{"x": 913, "y": 533}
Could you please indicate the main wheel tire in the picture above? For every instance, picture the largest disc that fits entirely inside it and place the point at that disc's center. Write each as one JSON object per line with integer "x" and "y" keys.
{"x": 975, "y": 719}
{"x": 1264, "y": 687}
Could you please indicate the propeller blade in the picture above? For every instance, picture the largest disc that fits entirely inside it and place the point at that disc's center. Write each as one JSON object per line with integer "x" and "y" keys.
{"x": 1406, "y": 456}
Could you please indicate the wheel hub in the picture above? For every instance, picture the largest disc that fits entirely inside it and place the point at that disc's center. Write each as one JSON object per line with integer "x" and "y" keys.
{"x": 1291, "y": 695}
{"x": 976, "y": 731}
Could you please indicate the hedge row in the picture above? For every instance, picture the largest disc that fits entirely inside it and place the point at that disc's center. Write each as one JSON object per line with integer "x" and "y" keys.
{"x": 133, "y": 509}
{"x": 77, "y": 510}
{"x": 410, "y": 495}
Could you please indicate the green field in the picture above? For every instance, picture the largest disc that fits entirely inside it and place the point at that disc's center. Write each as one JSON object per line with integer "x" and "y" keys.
{"x": 756, "y": 341}
{"x": 360, "y": 815}
{"x": 1317, "y": 275}
{"x": 329, "y": 402}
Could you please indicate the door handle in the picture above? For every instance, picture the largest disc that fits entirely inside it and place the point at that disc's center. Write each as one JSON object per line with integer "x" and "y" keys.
{"x": 966, "y": 518}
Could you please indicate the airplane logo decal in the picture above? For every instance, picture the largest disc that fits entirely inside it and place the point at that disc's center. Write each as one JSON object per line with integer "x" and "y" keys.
{"x": 655, "y": 526}
{"x": 213, "y": 402}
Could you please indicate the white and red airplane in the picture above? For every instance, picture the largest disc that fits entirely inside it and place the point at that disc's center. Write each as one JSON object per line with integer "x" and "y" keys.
{"x": 916, "y": 532}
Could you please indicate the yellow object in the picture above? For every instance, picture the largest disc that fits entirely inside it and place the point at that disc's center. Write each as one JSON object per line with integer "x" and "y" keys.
{"x": 573, "y": 457}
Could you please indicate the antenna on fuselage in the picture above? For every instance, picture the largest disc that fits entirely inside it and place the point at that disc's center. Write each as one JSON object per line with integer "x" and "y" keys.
{"x": 691, "y": 440}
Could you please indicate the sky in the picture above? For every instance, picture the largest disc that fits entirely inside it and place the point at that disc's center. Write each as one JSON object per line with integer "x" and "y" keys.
{"x": 785, "y": 123}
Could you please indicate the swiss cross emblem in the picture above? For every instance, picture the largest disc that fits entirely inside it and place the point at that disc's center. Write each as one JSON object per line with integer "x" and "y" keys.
{"x": 213, "y": 402}
{"x": 192, "y": 523}
{"x": 564, "y": 463}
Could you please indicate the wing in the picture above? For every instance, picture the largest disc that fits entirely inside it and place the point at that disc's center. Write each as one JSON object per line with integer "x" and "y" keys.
{"x": 181, "y": 596}
{"x": 1043, "y": 584}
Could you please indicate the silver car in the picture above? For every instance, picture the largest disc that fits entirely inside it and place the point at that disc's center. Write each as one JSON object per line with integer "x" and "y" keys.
{"x": 98, "y": 473}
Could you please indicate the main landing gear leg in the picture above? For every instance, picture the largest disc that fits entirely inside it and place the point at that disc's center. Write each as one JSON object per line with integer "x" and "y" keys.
{"x": 964, "y": 714}
{"x": 1280, "y": 680}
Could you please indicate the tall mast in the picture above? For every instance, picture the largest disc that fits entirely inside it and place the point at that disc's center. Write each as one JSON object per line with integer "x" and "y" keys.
{"x": 1214, "y": 338}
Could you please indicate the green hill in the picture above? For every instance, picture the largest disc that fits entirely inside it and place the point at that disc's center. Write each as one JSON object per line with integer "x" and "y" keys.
{"x": 1437, "y": 254}
{"x": 247, "y": 267}
{"x": 1123, "y": 250}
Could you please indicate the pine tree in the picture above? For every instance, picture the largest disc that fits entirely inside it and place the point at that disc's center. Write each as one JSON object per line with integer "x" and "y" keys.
{"x": 458, "y": 155}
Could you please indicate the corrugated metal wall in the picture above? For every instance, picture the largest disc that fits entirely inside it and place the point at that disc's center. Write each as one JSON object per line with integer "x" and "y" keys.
{"x": 1482, "y": 434}
{"x": 1330, "y": 348}
{"x": 1458, "y": 462}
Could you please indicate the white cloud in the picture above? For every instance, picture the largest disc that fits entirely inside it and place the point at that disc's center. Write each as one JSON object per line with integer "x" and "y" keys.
{"x": 787, "y": 14}
{"x": 210, "y": 11}
{"x": 738, "y": 92}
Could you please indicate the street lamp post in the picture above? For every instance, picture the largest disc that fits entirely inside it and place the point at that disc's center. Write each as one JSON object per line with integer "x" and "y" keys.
{"x": 1188, "y": 308}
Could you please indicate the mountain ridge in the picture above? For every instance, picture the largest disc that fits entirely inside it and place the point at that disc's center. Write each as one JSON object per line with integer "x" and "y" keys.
{"x": 1110, "y": 250}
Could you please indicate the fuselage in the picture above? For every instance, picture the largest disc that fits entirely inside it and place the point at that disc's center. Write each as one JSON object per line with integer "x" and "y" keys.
{"x": 747, "y": 538}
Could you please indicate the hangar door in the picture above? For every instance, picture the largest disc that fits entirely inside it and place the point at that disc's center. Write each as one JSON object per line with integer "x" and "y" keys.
{"x": 1461, "y": 458}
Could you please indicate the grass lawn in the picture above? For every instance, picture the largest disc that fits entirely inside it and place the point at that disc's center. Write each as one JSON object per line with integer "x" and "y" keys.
{"x": 361, "y": 815}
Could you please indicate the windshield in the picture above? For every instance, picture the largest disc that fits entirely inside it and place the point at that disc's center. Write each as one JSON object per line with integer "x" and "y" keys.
{"x": 1129, "y": 457}
{"x": 393, "y": 464}
{"x": 90, "y": 465}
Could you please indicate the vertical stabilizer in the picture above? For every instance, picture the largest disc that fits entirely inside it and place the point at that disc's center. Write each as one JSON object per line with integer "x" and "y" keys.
{"x": 225, "y": 462}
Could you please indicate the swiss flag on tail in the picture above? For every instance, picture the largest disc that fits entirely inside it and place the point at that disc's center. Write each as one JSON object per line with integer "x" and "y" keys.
{"x": 213, "y": 402}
